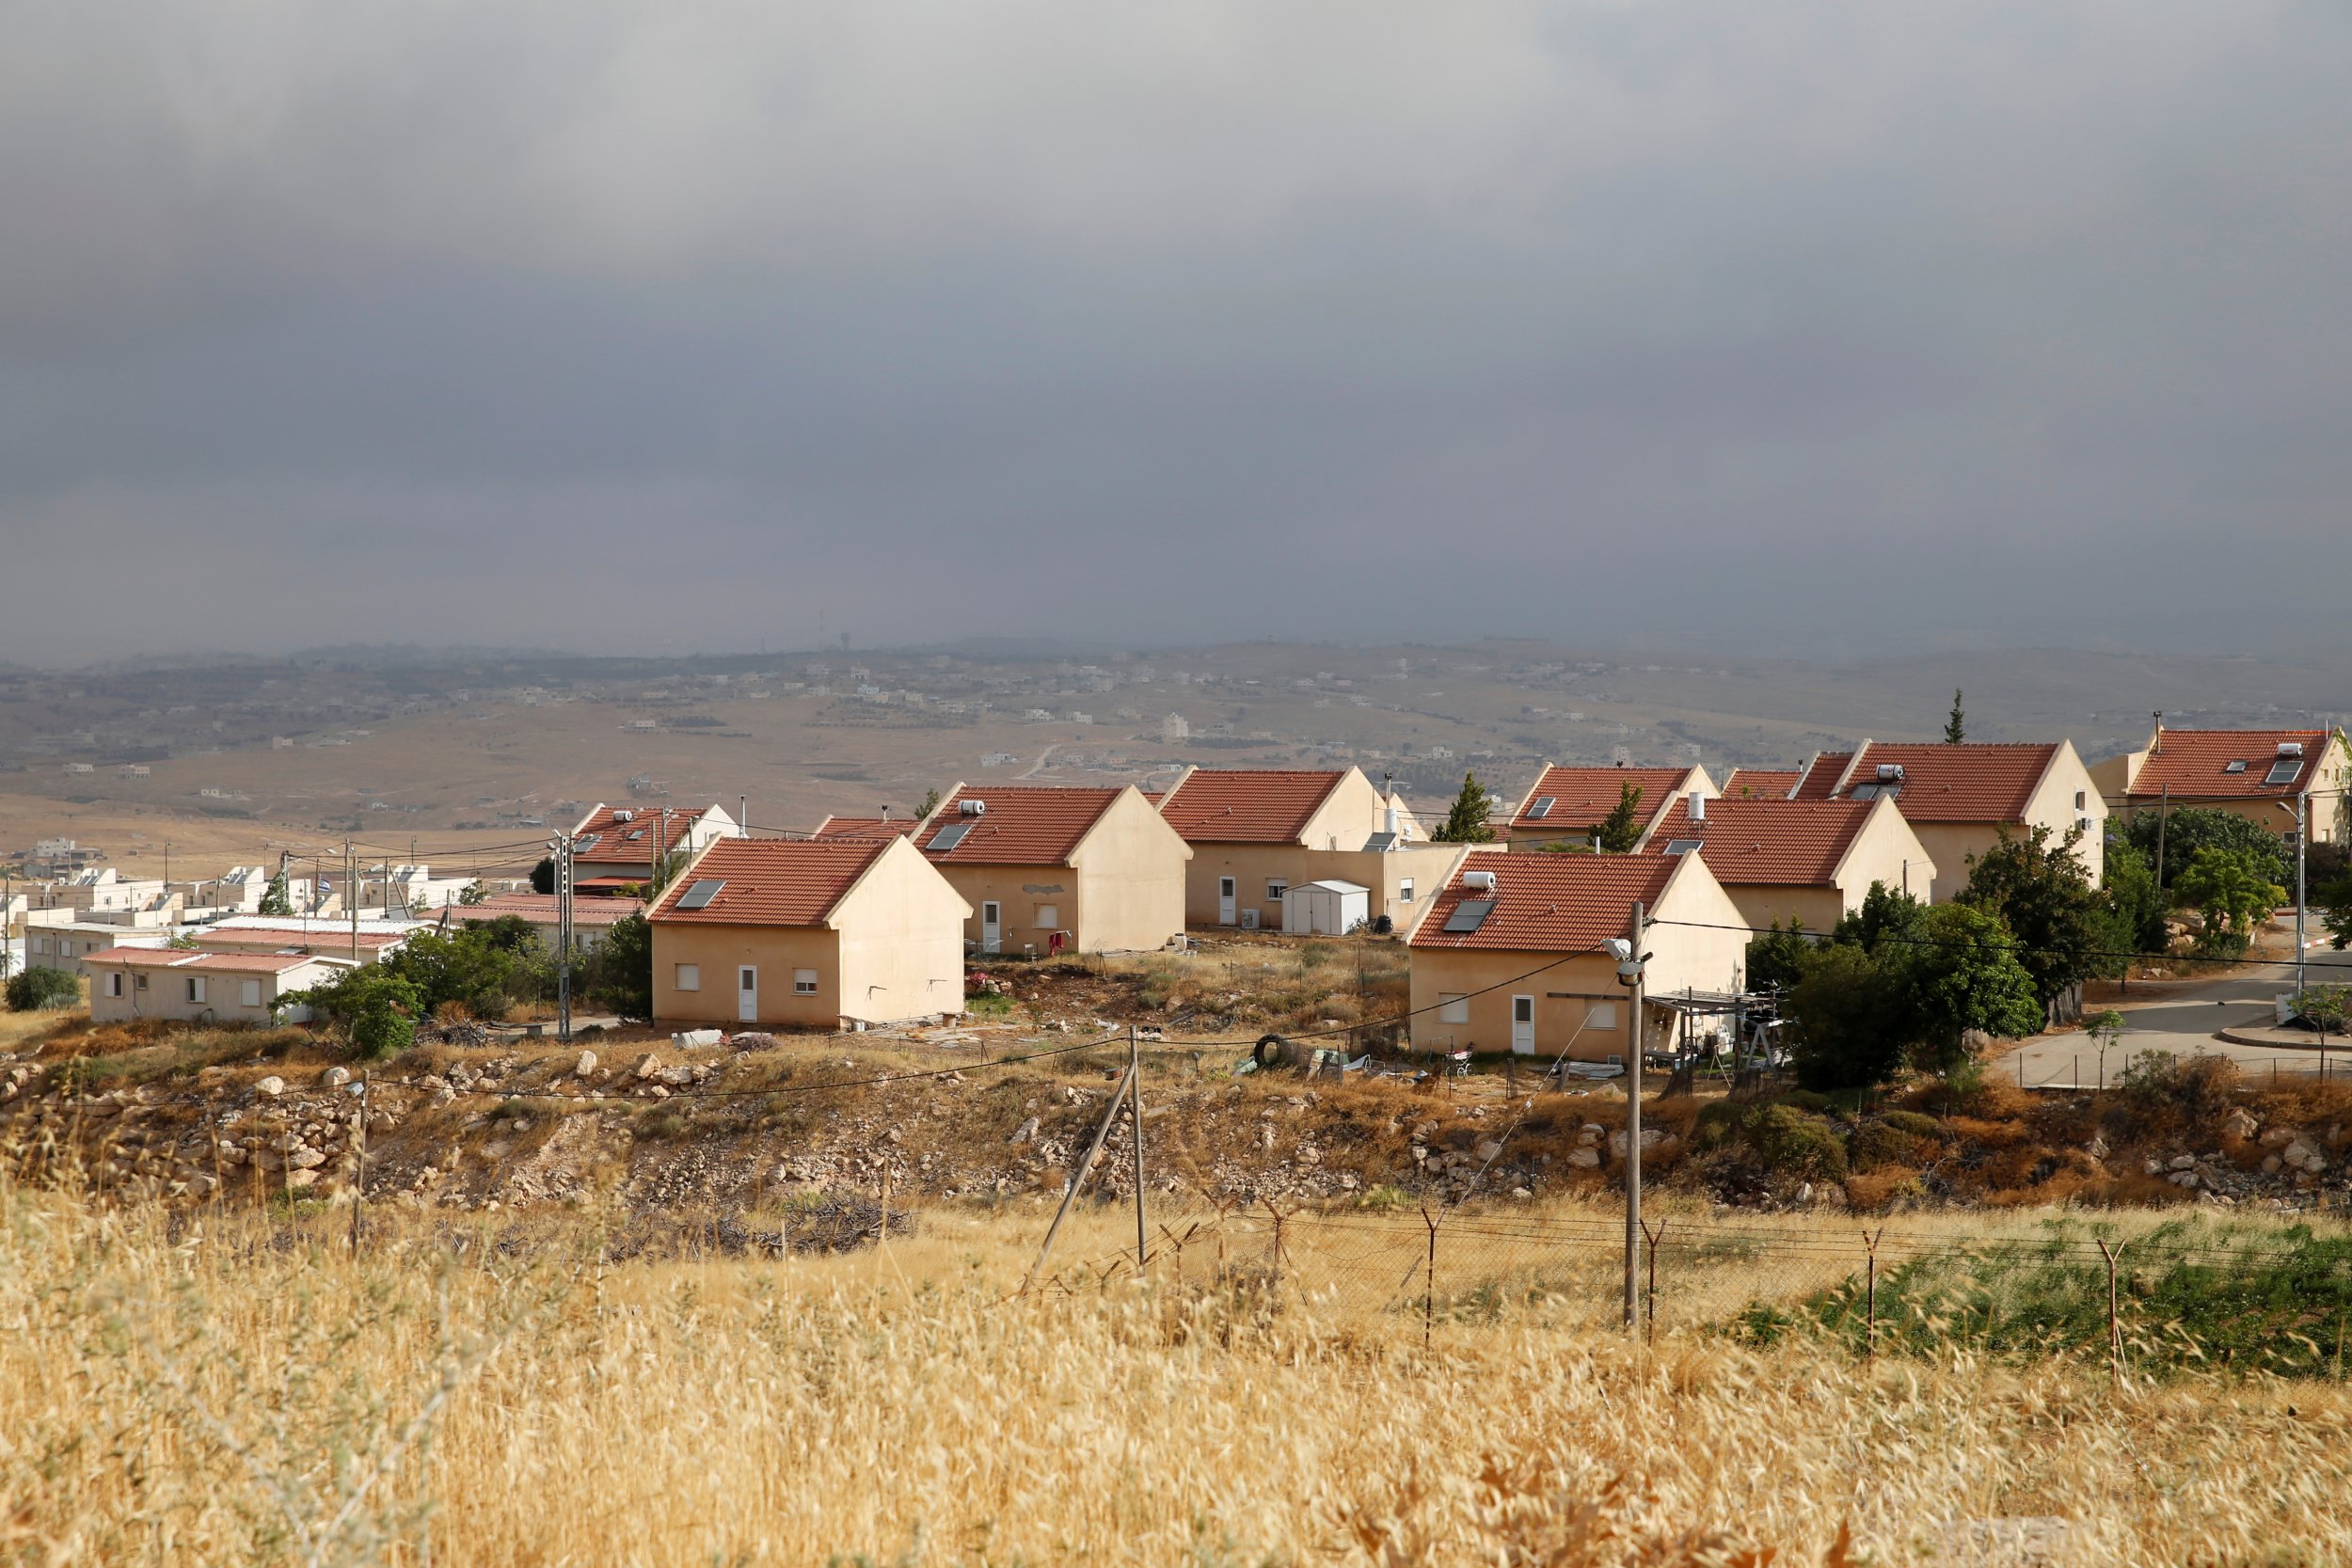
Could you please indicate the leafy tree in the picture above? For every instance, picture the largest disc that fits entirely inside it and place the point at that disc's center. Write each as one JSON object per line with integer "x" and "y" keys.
{"x": 2187, "y": 830}
{"x": 186, "y": 943}
{"x": 466, "y": 966}
{"x": 509, "y": 933}
{"x": 2231, "y": 892}
{"x": 1956, "y": 727}
{"x": 1465, "y": 822}
{"x": 1845, "y": 1027}
{"x": 2044, "y": 896}
{"x": 1621, "y": 829}
{"x": 543, "y": 875}
{"x": 277, "y": 899}
{"x": 2134, "y": 907}
{"x": 1777, "y": 958}
{"x": 2335, "y": 911}
{"x": 472, "y": 894}
{"x": 376, "y": 1007}
{"x": 620, "y": 972}
{"x": 42, "y": 988}
{"x": 931, "y": 801}
{"x": 1962, "y": 977}
{"x": 1888, "y": 915}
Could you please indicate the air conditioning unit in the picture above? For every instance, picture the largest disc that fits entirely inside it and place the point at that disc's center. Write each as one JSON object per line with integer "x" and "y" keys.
{"x": 1479, "y": 881}
{"x": 2290, "y": 748}
{"x": 1249, "y": 920}
{"x": 971, "y": 808}
{"x": 1890, "y": 772}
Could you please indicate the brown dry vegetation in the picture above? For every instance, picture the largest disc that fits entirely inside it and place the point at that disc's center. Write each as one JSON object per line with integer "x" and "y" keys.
{"x": 235, "y": 1388}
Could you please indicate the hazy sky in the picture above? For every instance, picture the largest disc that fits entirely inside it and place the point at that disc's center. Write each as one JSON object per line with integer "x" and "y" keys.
{"x": 1793, "y": 327}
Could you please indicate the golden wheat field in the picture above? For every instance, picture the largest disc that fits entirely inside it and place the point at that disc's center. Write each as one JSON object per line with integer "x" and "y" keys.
{"x": 228, "y": 1387}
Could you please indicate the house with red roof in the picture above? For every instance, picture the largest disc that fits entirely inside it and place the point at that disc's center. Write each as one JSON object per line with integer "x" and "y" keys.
{"x": 2262, "y": 775}
{"x": 1258, "y": 833}
{"x": 1049, "y": 868}
{"x": 807, "y": 934}
{"x": 593, "y": 919}
{"x": 200, "y": 986}
{"x": 867, "y": 826}
{"x": 1807, "y": 861}
{"x": 1762, "y": 784}
{"x": 1510, "y": 954}
{"x": 613, "y": 848}
{"x": 1570, "y": 802}
{"x": 1960, "y": 799}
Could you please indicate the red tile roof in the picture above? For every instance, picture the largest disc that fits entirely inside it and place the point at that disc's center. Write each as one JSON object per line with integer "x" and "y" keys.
{"x": 1969, "y": 782}
{"x": 1583, "y": 796}
{"x": 2195, "y": 764}
{"x": 1762, "y": 784}
{"x": 1796, "y": 843}
{"x": 867, "y": 826}
{"x": 771, "y": 882}
{"x": 539, "y": 909}
{"x": 1248, "y": 805}
{"x": 1816, "y": 779}
{"x": 1023, "y": 825}
{"x": 1547, "y": 903}
{"x": 631, "y": 842}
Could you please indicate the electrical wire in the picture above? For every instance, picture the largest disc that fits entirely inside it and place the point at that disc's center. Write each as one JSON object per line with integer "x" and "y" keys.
{"x": 2012, "y": 945}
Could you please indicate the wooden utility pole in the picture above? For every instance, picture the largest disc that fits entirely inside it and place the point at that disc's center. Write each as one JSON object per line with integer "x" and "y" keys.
{"x": 1134, "y": 1106}
{"x": 1078, "y": 1176}
{"x": 1633, "y": 1125}
{"x": 351, "y": 891}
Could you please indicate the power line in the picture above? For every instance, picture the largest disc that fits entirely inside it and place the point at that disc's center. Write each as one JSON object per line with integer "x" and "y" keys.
{"x": 2012, "y": 945}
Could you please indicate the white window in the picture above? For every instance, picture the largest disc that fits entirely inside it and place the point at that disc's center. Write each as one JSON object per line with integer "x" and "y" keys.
{"x": 40, "y": 944}
{"x": 249, "y": 994}
{"x": 1404, "y": 889}
{"x": 1453, "y": 1007}
{"x": 690, "y": 977}
{"x": 114, "y": 983}
{"x": 1049, "y": 917}
{"x": 139, "y": 983}
{"x": 1601, "y": 1015}
{"x": 1275, "y": 888}
{"x": 196, "y": 988}
{"x": 2079, "y": 801}
{"x": 803, "y": 982}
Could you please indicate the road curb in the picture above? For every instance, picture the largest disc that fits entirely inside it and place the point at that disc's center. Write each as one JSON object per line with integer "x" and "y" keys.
{"x": 2299, "y": 1043}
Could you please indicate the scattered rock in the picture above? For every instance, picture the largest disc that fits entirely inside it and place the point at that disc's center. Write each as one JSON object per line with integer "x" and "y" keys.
{"x": 1585, "y": 1156}
{"x": 2183, "y": 1162}
{"x": 2240, "y": 1124}
{"x": 270, "y": 1087}
{"x": 335, "y": 1077}
{"x": 586, "y": 1065}
{"x": 305, "y": 1159}
{"x": 2097, "y": 1147}
{"x": 647, "y": 1066}
{"x": 1026, "y": 1132}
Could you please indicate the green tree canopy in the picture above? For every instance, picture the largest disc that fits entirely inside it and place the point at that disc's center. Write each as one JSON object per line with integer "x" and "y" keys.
{"x": 2230, "y": 891}
{"x": 543, "y": 875}
{"x": 1887, "y": 917}
{"x": 2044, "y": 896}
{"x": 42, "y": 988}
{"x": 376, "y": 1009}
{"x": 2335, "y": 911}
{"x": 1465, "y": 822}
{"x": 1845, "y": 1019}
{"x": 277, "y": 899}
{"x": 620, "y": 972}
{"x": 1777, "y": 958}
{"x": 2134, "y": 907}
{"x": 2187, "y": 830}
{"x": 1621, "y": 829}
{"x": 1956, "y": 726}
{"x": 1962, "y": 977}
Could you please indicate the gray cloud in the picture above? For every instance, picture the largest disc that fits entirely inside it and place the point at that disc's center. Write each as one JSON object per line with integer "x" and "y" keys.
{"x": 1802, "y": 328}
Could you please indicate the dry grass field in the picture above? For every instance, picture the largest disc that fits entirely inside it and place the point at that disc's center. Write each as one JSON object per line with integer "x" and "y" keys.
{"x": 230, "y": 1385}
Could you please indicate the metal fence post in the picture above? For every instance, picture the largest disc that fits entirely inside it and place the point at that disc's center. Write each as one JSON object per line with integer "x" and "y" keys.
{"x": 1429, "y": 1291}
{"x": 2114, "y": 1330}
{"x": 1870, "y": 1293}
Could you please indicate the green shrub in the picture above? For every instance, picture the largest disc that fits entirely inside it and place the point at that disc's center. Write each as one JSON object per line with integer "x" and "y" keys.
{"x": 1915, "y": 1123}
{"x": 40, "y": 990}
{"x": 1793, "y": 1143}
{"x": 1808, "y": 1099}
{"x": 1875, "y": 1143}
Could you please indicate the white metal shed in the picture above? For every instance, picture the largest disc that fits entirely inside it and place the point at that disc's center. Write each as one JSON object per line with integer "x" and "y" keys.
{"x": 1325, "y": 908}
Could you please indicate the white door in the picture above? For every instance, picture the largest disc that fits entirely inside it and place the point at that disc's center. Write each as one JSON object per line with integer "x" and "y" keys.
{"x": 992, "y": 927}
{"x": 1523, "y": 1025}
{"x": 746, "y": 993}
{"x": 1225, "y": 900}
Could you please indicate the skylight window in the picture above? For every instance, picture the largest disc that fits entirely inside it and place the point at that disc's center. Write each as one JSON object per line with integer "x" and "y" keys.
{"x": 949, "y": 837}
{"x": 2237, "y": 767}
{"x": 1684, "y": 846}
{"x": 1470, "y": 914}
{"x": 1541, "y": 805}
{"x": 701, "y": 894}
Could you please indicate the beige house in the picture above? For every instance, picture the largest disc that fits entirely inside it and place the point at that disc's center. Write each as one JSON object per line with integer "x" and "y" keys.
{"x": 1256, "y": 832}
{"x": 54, "y": 941}
{"x": 1807, "y": 861}
{"x": 807, "y": 934}
{"x": 1098, "y": 869}
{"x": 591, "y": 918}
{"x": 128, "y": 983}
{"x": 1960, "y": 799}
{"x": 1569, "y": 803}
{"x": 333, "y": 938}
{"x": 2262, "y": 775}
{"x": 1510, "y": 954}
{"x": 615, "y": 845}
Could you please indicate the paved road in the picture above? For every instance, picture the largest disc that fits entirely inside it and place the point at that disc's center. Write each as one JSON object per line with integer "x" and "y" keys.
{"x": 2186, "y": 1023}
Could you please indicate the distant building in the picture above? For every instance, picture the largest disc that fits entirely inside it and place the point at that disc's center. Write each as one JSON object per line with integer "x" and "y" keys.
{"x": 615, "y": 846}
{"x": 1569, "y": 803}
{"x": 2261, "y": 775}
{"x": 1256, "y": 833}
{"x": 1089, "y": 870}
{"x": 1173, "y": 729}
{"x": 200, "y": 987}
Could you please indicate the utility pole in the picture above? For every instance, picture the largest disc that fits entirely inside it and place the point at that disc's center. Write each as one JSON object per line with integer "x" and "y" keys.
{"x": 563, "y": 873}
{"x": 351, "y": 890}
{"x": 1134, "y": 1106}
{"x": 2164, "y": 816}
{"x": 2302, "y": 832}
{"x": 1629, "y": 973}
